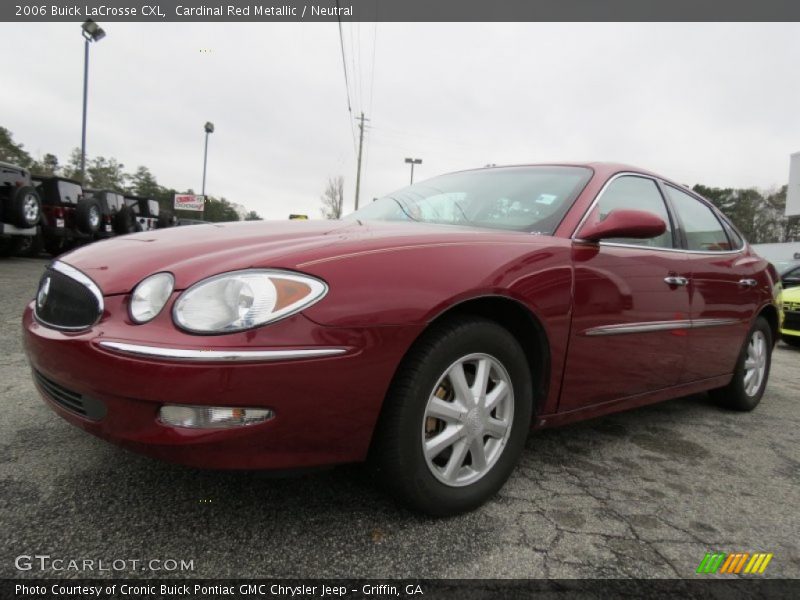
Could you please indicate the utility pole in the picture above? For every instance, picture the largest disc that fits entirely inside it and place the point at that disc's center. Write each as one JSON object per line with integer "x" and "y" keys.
{"x": 360, "y": 146}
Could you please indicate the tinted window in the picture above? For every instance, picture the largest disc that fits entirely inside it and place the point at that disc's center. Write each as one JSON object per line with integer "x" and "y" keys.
{"x": 634, "y": 193}
{"x": 703, "y": 229}
{"x": 133, "y": 204}
{"x": 69, "y": 192}
{"x": 518, "y": 198}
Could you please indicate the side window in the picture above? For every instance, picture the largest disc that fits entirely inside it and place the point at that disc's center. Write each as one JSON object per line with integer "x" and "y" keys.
{"x": 703, "y": 230}
{"x": 635, "y": 193}
{"x": 733, "y": 235}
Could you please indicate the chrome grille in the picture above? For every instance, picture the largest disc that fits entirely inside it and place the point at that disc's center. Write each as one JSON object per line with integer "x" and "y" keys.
{"x": 69, "y": 400}
{"x": 67, "y": 299}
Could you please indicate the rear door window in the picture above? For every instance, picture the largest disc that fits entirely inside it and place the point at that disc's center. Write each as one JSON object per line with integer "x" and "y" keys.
{"x": 704, "y": 231}
{"x": 69, "y": 192}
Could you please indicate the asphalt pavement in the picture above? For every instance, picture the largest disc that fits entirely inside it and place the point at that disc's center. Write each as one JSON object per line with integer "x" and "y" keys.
{"x": 644, "y": 493}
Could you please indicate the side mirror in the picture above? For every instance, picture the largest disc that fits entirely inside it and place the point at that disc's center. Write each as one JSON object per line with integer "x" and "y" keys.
{"x": 623, "y": 223}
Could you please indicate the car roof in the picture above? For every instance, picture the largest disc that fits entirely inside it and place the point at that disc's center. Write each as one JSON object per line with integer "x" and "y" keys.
{"x": 55, "y": 178}
{"x": 598, "y": 167}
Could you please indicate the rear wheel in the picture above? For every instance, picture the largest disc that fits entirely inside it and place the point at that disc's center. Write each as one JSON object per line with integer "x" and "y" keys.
{"x": 124, "y": 221}
{"x": 792, "y": 340}
{"x": 749, "y": 381}
{"x": 456, "y": 417}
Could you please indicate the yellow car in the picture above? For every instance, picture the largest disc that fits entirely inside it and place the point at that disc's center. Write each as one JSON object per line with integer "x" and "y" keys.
{"x": 790, "y": 317}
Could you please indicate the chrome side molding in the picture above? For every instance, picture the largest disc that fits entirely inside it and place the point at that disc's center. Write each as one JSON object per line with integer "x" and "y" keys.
{"x": 648, "y": 326}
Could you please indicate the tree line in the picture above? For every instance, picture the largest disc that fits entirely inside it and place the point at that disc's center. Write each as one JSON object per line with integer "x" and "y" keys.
{"x": 109, "y": 174}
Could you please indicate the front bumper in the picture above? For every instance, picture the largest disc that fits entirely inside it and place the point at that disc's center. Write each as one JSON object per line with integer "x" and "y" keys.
{"x": 325, "y": 406}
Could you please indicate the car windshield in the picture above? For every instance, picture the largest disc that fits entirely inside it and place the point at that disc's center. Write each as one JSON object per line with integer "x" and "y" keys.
{"x": 784, "y": 266}
{"x": 531, "y": 199}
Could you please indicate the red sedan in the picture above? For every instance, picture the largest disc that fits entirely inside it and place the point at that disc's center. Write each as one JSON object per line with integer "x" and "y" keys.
{"x": 429, "y": 331}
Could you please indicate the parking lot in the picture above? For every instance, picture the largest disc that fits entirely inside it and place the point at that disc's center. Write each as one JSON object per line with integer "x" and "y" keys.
{"x": 639, "y": 494}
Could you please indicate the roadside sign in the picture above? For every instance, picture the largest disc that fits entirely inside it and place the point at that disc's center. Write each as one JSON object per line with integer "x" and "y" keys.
{"x": 189, "y": 202}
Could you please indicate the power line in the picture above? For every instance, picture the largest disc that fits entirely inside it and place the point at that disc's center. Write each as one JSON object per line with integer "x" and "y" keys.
{"x": 346, "y": 80}
{"x": 372, "y": 71}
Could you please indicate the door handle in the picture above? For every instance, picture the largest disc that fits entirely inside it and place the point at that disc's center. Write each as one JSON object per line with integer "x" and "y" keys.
{"x": 675, "y": 280}
{"x": 748, "y": 283}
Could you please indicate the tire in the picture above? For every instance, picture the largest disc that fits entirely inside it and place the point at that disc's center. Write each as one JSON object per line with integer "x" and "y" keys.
{"x": 423, "y": 480}
{"x": 737, "y": 395}
{"x": 25, "y": 207}
{"x": 164, "y": 220}
{"x": 89, "y": 216}
{"x": 124, "y": 221}
{"x": 10, "y": 246}
{"x": 792, "y": 340}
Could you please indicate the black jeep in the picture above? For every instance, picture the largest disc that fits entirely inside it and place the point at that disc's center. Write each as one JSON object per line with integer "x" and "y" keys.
{"x": 118, "y": 218}
{"x": 20, "y": 209}
{"x": 68, "y": 217}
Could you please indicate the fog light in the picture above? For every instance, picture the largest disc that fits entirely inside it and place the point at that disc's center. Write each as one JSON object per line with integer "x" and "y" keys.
{"x": 212, "y": 417}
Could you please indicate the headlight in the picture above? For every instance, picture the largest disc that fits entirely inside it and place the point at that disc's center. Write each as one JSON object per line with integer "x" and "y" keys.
{"x": 150, "y": 296}
{"x": 245, "y": 299}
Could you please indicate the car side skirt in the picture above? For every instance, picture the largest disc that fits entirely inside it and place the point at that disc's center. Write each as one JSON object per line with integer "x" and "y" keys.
{"x": 621, "y": 404}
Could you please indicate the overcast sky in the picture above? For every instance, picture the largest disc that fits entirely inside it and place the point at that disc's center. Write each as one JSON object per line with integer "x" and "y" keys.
{"x": 717, "y": 104}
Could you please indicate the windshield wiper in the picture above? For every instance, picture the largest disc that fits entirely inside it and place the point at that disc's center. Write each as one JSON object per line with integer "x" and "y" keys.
{"x": 403, "y": 208}
{"x": 458, "y": 206}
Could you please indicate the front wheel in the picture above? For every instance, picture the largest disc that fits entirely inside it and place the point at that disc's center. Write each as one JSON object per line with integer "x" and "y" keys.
{"x": 749, "y": 381}
{"x": 456, "y": 417}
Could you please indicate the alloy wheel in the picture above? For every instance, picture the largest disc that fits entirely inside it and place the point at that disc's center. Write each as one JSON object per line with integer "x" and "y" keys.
{"x": 94, "y": 217}
{"x": 755, "y": 364}
{"x": 467, "y": 420}
{"x": 30, "y": 207}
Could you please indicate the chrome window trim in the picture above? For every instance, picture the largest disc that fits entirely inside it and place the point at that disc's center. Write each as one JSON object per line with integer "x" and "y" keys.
{"x": 649, "y": 326}
{"x": 84, "y": 280}
{"x": 182, "y": 354}
{"x": 657, "y": 181}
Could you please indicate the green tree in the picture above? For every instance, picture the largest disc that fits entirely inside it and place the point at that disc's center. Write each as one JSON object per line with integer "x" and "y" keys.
{"x": 105, "y": 174}
{"x": 143, "y": 183}
{"x": 47, "y": 166}
{"x": 72, "y": 170}
{"x": 252, "y": 216}
{"x": 219, "y": 210}
{"x": 12, "y": 152}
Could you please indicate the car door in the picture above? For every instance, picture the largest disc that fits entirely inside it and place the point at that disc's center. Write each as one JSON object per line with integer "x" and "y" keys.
{"x": 630, "y": 306}
{"x": 723, "y": 287}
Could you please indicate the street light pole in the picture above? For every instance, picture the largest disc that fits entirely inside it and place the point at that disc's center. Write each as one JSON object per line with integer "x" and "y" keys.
{"x": 209, "y": 128}
{"x": 91, "y": 32}
{"x": 412, "y": 162}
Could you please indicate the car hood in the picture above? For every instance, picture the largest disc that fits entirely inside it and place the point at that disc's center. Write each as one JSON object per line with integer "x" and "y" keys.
{"x": 194, "y": 252}
{"x": 791, "y": 294}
